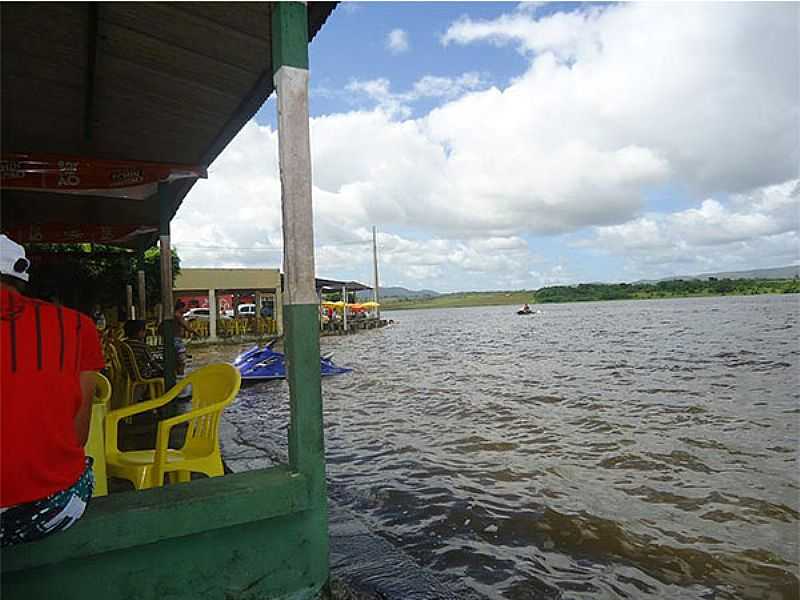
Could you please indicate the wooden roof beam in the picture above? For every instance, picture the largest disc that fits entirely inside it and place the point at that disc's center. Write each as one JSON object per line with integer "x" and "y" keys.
{"x": 91, "y": 68}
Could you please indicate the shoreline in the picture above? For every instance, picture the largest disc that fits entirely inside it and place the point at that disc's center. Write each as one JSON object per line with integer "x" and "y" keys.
{"x": 413, "y": 305}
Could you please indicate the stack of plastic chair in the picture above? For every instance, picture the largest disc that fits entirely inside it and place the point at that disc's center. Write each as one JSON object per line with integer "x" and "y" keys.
{"x": 213, "y": 388}
{"x": 151, "y": 334}
{"x": 153, "y": 386}
{"x": 95, "y": 445}
{"x": 199, "y": 327}
{"x": 242, "y": 326}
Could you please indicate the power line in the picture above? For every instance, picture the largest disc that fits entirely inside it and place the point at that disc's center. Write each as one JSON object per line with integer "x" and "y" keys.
{"x": 262, "y": 248}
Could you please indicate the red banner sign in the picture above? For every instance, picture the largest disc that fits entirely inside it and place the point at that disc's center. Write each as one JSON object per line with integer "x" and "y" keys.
{"x": 78, "y": 175}
{"x": 77, "y": 234}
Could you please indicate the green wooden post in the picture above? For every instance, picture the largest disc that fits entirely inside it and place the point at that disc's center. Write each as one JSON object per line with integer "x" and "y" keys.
{"x": 301, "y": 310}
{"x": 168, "y": 324}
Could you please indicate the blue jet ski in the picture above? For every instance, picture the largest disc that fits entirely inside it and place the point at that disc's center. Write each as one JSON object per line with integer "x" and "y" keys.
{"x": 260, "y": 363}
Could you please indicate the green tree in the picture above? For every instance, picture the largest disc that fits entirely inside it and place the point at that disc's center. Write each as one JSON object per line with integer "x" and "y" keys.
{"x": 83, "y": 275}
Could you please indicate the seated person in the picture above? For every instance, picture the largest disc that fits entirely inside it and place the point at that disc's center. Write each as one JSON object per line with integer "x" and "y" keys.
{"x": 49, "y": 360}
{"x": 134, "y": 337}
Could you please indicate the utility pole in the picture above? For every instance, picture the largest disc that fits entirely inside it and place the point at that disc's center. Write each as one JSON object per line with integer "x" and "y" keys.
{"x": 375, "y": 295}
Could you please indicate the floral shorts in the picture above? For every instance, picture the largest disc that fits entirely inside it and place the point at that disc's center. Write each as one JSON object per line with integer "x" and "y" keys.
{"x": 35, "y": 520}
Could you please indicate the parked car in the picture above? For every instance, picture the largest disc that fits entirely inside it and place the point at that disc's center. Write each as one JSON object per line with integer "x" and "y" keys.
{"x": 200, "y": 313}
{"x": 247, "y": 310}
{"x": 196, "y": 313}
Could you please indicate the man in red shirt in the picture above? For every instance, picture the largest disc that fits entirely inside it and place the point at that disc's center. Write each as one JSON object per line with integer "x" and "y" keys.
{"x": 48, "y": 359}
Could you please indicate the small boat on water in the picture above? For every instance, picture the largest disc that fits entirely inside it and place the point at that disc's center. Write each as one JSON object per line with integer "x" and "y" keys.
{"x": 526, "y": 310}
{"x": 261, "y": 363}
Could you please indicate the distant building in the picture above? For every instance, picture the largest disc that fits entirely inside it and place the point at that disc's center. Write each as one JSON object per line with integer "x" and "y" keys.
{"x": 222, "y": 291}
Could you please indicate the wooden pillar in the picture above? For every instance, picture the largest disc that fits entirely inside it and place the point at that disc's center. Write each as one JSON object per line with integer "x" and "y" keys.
{"x": 130, "y": 313}
{"x": 278, "y": 310}
{"x": 141, "y": 305}
{"x": 168, "y": 324}
{"x": 375, "y": 294}
{"x": 212, "y": 314}
{"x": 344, "y": 308}
{"x": 301, "y": 324}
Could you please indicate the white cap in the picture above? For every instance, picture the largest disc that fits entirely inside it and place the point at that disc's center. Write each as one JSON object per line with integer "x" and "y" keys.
{"x": 12, "y": 259}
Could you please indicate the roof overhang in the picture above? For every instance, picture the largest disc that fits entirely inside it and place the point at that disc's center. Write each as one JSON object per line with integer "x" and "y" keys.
{"x": 334, "y": 285}
{"x": 156, "y": 82}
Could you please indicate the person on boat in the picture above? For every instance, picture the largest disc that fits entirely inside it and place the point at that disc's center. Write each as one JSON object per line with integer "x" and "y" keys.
{"x": 50, "y": 359}
{"x": 526, "y": 309}
{"x": 135, "y": 332}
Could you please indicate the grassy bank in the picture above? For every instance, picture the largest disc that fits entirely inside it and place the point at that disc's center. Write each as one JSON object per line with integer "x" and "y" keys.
{"x": 460, "y": 300}
{"x": 593, "y": 292}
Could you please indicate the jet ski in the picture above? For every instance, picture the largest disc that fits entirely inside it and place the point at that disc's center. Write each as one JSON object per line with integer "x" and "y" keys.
{"x": 260, "y": 363}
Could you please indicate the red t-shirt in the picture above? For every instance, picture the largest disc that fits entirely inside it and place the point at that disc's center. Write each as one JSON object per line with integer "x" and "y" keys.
{"x": 43, "y": 349}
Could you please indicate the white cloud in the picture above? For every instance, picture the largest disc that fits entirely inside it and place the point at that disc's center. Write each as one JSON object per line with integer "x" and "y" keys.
{"x": 530, "y": 7}
{"x": 699, "y": 85}
{"x": 397, "y": 41}
{"x": 398, "y": 104}
{"x": 759, "y": 228}
{"x": 615, "y": 100}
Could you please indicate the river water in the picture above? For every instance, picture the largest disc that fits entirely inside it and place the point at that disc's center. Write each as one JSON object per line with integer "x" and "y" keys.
{"x": 636, "y": 449}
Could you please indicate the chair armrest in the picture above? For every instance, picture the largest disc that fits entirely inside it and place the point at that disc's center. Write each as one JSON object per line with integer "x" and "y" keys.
{"x": 115, "y": 416}
{"x": 165, "y": 426}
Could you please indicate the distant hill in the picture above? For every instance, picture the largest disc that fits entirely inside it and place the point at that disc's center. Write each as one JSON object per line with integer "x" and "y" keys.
{"x": 398, "y": 292}
{"x": 789, "y": 272}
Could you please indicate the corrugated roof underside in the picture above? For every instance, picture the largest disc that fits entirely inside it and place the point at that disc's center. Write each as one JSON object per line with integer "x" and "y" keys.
{"x": 172, "y": 82}
{"x": 167, "y": 76}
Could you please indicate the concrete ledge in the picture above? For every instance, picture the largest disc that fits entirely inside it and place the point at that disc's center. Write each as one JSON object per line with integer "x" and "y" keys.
{"x": 132, "y": 519}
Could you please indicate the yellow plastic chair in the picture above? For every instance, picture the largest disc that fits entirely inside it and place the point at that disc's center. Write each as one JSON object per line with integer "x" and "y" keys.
{"x": 134, "y": 379}
{"x": 115, "y": 373}
{"x": 151, "y": 329}
{"x": 213, "y": 388}
{"x": 266, "y": 326}
{"x": 199, "y": 328}
{"x": 224, "y": 327}
{"x": 95, "y": 445}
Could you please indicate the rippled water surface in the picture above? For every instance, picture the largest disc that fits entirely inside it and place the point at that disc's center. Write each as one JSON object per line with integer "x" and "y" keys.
{"x": 604, "y": 450}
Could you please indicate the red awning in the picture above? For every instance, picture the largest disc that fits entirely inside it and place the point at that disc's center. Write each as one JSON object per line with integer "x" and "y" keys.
{"x": 55, "y": 233}
{"x": 86, "y": 176}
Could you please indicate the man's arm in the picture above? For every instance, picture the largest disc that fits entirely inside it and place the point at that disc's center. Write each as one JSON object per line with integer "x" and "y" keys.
{"x": 88, "y": 382}
{"x": 182, "y": 325}
{"x": 90, "y": 362}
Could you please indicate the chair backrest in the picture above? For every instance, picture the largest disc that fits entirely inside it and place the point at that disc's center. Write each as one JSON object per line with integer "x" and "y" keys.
{"x": 102, "y": 390}
{"x": 111, "y": 356}
{"x": 128, "y": 359}
{"x": 212, "y": 386}
{"x": 199, "y": 327}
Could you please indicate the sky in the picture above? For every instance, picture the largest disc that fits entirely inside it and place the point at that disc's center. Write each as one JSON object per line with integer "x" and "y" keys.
{"x": 500, "y": 146}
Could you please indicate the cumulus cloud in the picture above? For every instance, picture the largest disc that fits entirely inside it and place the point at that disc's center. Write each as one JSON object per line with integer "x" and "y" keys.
{"x": 758, "y": 228}
{"x": 695, "y": 84}
{"x": 397, "y": 41}
{"x": 398, "y": 104}
{"x": 615, "y": 101}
